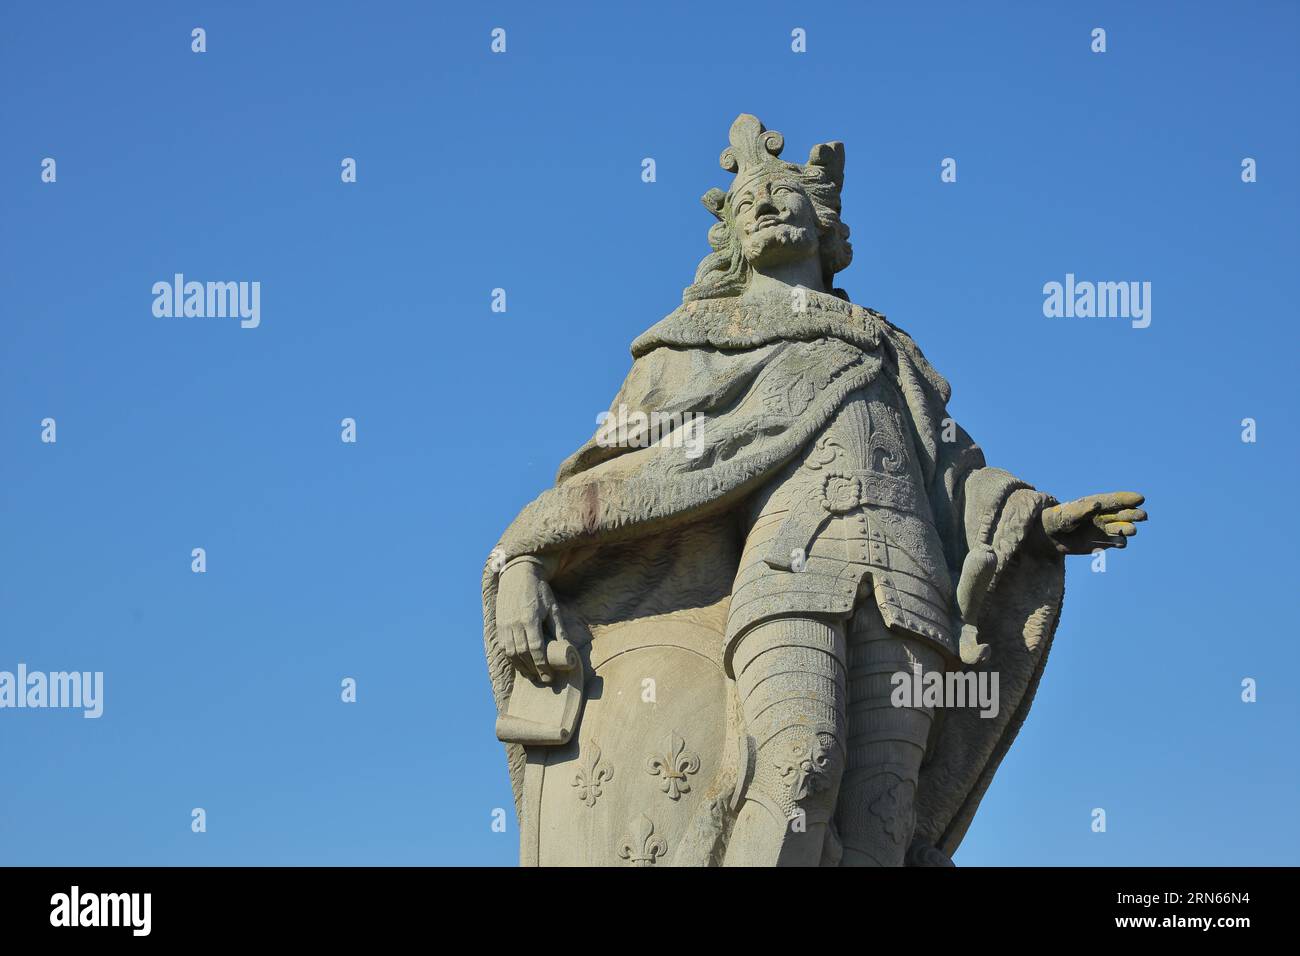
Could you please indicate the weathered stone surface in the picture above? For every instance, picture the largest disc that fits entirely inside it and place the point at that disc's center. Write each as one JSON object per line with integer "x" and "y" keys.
{"x": 704, "y": 638}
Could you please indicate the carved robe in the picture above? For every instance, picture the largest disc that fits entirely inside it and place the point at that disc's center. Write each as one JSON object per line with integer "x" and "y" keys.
{"x": 831, "y": 423}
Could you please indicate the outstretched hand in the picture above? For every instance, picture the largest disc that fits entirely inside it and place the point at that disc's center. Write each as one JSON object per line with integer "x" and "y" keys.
{"x": 1094, "y": 521}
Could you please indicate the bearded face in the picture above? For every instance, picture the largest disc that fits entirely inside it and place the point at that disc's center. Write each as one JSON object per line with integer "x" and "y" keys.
{"x": 774, "y": 220}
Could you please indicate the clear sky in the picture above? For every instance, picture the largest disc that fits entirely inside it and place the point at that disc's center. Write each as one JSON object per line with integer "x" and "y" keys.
{"x": 522, "y": 171}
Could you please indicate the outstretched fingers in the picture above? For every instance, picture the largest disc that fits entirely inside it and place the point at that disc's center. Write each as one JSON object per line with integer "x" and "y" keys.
{"x": 1121, "y": 522}
{"x": 1113, "y": 501}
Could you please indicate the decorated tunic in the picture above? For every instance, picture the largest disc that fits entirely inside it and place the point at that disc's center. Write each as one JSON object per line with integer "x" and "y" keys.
{"x": 852, "y": 508}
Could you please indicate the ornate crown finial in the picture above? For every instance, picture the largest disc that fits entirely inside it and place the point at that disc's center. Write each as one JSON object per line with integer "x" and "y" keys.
{"x": 753, "y": 146}
{"x": 755, "y": 149}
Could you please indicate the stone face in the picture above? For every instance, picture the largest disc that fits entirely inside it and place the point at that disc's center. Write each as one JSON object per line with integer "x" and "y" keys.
{"x": 778, "y": 610}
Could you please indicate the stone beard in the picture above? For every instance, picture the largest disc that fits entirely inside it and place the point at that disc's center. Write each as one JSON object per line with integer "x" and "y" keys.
{"x": 697, "y": 657}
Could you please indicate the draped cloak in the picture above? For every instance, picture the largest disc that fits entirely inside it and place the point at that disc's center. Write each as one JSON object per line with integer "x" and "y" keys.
{"x": 638, "y": 532}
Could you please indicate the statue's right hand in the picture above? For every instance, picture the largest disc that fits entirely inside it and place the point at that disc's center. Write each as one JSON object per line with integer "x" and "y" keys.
{"x": 526, "y": 610}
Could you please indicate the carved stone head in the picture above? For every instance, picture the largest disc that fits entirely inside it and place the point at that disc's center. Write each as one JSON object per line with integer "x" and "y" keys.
{"x": 775, "y": 211}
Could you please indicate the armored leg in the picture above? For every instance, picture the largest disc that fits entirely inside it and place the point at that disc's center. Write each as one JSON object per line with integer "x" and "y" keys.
{"x": 876, "y": 813}
{"x": 791, "y": 680}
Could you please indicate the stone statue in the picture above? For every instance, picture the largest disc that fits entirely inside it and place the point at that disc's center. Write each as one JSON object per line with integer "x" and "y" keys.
{"x": 701, "y": 640}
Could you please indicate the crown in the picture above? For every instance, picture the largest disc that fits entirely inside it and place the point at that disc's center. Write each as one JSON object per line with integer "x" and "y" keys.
{"x": 756, "y": 150}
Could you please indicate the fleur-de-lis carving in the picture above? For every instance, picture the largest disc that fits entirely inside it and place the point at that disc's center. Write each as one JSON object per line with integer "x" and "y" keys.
{"x": 807, "y": 767}
{"x": 641, "y": 847}
{"x": 589, "y": 782}
{"x": 674, "y": 765}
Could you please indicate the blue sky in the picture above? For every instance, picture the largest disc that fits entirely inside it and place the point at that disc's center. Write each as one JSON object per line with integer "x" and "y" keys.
{"x": 523, "y": 171}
